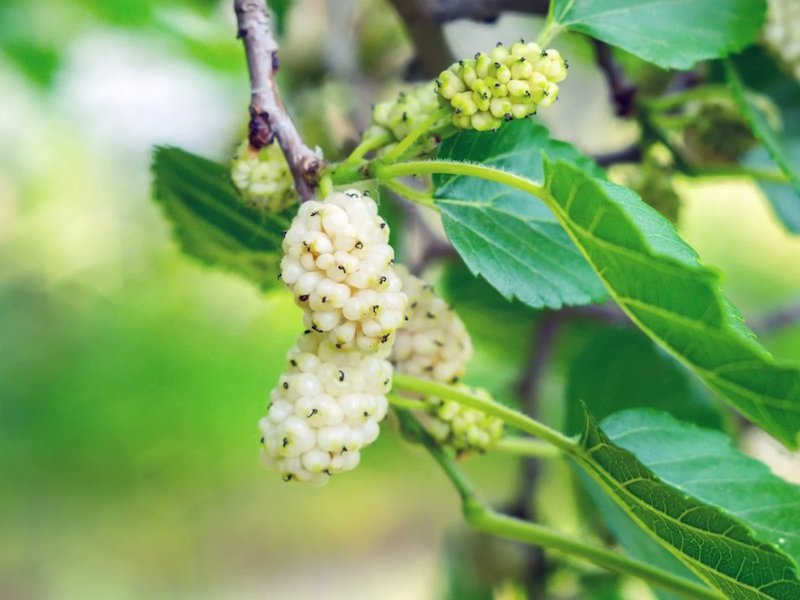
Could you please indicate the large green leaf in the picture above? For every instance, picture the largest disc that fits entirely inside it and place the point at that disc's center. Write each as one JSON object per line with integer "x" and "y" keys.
{"x": 656, "y": 278}
{"x": 623, "y": 368}
{"x": 704, "y": 464}
{"x": 211, "y": 222}
{"x": 515, "y": 244}
{"x": 755, "y": 71}
{"x": 721, "y": 549}
{"x": 669, "y": 33}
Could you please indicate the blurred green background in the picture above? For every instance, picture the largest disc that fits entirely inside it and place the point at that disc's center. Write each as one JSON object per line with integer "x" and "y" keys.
{"x": 131, "y": 379}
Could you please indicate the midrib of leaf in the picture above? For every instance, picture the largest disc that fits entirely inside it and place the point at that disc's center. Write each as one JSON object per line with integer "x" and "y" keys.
{"x": 616, "y": 488}
{"x": 564, "y": 217}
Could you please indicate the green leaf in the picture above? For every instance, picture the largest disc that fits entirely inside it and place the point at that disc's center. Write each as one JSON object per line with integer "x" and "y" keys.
{"x": 622, "y": 368}
{"x": 210, "y": 221}
{"x": 705, "y": 464}
{"x": 669, "y": 33}
{"x": 515, "y": 244}
{"x": 719, "y": 548}
{"x": 656, "y": 278}
{"x": 782, "y": 147}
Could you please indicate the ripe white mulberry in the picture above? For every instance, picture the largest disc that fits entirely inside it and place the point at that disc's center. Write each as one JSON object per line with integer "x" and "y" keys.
{"x": 325, "y": 409}
{"x": 338, "y": 263}
{"x": 782, "y": 33}
{"x": 435, "y": 344}
{"x": 263, "y": 177}
{"x": 508, "y": 83}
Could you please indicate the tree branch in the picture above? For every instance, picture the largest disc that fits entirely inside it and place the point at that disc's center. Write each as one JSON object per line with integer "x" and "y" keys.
{"x": 485, "y": 11}
{"x": 269, "y": 120}
{"x": 432, "y": 51}
{"x": 622, "y": 91}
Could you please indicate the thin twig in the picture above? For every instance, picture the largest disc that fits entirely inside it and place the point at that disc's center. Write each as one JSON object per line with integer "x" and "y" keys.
{"x": 269, "y": 120}
{"x": 622, "y": 91}
{"x": 485, "y": 11}
{"x": 432, "y": 52}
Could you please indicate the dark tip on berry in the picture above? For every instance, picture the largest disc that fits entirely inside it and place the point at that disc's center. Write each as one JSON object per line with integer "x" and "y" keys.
{"x": 544, "y": 52}
{"x": 366, "y": 413}
{"x": 414, "y": 304}
{"x": 383, "y": 225}
{"x": 306, "y": 332}
{"x": 405, "y": 318}
{"x": 496, "y": 65}
{"x": 286, "y": 385}
{"x": 383, "y": 279}
{"x": 324, "y": 299}
{"x": 279, "y": 276}
{"x": 293, "y": 362}
{"x": 342, "y": 269}
{"x": 315, "y": 328}
{"x": 314, "y": 213}
{"x": 343, "y": 450}
{"x": 338, "y": 345}
{"x": 458, "y": 111}
{"x": 521, "y": 40}
{"x": 454, "y": 380}
{"x": 508, "y": 116}
{"x": 351, "y": 194}
{"x": 385, "y": 338}
{"x": 312, "y": 413}
{"x": 477, "y": 55}
{"x": 327, "y": 472}
{"x": 287, "y": 477}
{"x": 375, "y": 308}
{"x": 285, "y": 442}
{"x": 430, "y": 315}
{"x": 461, "y": 63}
{"x": 522, "y": 59}
{"x": 262, "y": 439}
{"x": 341, "y": 375}
{"x": 359, "y": 245}
{"x": 545, "y": 93}
{"x": 405, "y": 116}
{"x": 303, "y": 297}
{"x": 429, "y": 368}
{"x": 385, "y": 382}
{"x": 367, "y": 193}
{"x": 498, "y": 45}
{"x": 439, "y": 343}
{"x": 283, "y": 233}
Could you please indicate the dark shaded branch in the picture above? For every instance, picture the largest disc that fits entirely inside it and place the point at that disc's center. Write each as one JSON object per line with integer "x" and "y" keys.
{"x": 631, "y": 154}
{"x": 432, "y": 54}
{"x": 623, "y": 92}
{"x": 269, "y": 120}
{"x": 485, "y": 11}
{"x": 777, "y": 320}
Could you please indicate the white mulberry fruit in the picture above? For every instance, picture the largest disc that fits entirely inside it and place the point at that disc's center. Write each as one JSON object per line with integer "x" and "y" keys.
{"x": 508, "y": 83}
{"x": 325, "y": 409}
{"x": 263, "y": 177}
{"x": 782, "y": 33}
{"x": 338, "y": 263}
{"x": 433, "y": 343}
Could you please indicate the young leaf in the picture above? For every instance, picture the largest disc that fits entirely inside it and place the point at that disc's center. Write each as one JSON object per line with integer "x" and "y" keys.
{"x": 211, "y": 222}
{"x": 719, "y": 548}
{"x": 783, "y": 150}
{"x": 705, "y": 465}
{"x": 669, "y": 33}
{"x": 515, "y": 244}
{"x": 656, "y": 279}
{"x": 623, "y": 368}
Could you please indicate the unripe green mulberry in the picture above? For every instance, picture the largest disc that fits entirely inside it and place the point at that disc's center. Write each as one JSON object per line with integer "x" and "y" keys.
{"x": 462, "y": 428}
{"x": 652, "y": 180}
{"x": 508, "y": 83}
{"x": 782, "y": 33}
{"x": 718, "y": 133}
{"x": 400, "y": 116}
{"x": 263, "y": 177}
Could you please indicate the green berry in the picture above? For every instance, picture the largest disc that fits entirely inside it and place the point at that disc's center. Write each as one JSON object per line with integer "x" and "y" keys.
{"x": 263, "y": 177}
{"x": 524, "y": 74}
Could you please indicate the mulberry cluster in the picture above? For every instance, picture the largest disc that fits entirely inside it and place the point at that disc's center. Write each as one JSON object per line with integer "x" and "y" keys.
{"x": 434, "y": 344}
{"x": 332, "y": 396}
{"x": 718, "y": 132}
{"x": 326, "y": 408}
{"x": 399, "y": 117}
{"x": 263, "y": 177}
{"x": 338, "y": 263}
{"x": 464, "y": 428}
{"x": 508, "y": 83}
{"x": 782, "y": 33}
